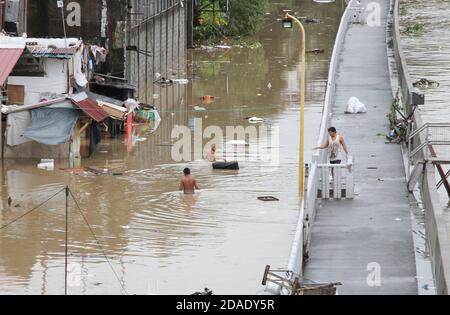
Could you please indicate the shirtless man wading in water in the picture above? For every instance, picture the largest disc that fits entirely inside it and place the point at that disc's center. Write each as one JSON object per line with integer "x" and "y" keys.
{"x": 188, "y": 183}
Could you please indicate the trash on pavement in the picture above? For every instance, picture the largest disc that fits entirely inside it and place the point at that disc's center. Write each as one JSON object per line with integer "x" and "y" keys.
{"x": 354, "y": 106}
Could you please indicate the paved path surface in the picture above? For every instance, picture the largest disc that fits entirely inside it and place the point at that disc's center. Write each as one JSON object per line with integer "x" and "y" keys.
{"x": 375, "y": 227}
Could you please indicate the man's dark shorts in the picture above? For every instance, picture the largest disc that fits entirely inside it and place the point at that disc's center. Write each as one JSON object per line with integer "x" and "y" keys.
{"x": 336, "y": 162}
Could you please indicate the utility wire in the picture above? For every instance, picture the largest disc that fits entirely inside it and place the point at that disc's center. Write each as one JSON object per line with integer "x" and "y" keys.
{"x": 98, "y": 243}
{"x": 85, "y": 220}
{"x": 29, "y": 212}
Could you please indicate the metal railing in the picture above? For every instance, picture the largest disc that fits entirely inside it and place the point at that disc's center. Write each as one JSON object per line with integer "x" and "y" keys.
{"x": 405, "y": 84}
{"x": 307, "y": 213}
{"x": 430, "y": 198}
{"x": 426, "y": 137}
{"x": 143, "y": 10}
{"x": 336, "y": 181}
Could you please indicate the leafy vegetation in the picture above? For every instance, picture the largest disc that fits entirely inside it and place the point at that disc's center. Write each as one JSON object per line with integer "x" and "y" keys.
{"x": 214, "y": 19}
{"x": 414, "y": 29}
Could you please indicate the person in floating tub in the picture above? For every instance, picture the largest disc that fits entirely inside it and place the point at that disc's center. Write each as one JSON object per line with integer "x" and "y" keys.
{"x": 212, "y": 156}
{"x": 188, "y": 183}
{"x": 220, "y": 164}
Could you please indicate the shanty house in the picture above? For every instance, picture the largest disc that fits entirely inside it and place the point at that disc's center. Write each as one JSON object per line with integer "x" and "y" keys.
{"x": 44, "y": 84}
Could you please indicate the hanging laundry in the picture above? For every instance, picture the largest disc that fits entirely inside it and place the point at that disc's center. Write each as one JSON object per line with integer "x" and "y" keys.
{"x": 80, "y": 77}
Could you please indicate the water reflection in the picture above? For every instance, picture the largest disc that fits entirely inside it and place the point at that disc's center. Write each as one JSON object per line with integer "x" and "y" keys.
{"x": 157, "y": 240}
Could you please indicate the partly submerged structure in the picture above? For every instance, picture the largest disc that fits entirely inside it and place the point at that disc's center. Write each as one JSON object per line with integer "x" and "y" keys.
{"x": 50, "y": 112}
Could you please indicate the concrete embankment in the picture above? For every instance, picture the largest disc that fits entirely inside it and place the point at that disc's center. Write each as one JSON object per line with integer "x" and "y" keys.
{"x": 437, "y": 219}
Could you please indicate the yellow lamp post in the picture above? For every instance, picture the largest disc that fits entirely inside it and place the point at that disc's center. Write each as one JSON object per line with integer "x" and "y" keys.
{"x": 287, "y": 23}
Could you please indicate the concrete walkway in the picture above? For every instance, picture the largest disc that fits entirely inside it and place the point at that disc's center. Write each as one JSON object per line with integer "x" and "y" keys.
{"x": 374, "y": 229}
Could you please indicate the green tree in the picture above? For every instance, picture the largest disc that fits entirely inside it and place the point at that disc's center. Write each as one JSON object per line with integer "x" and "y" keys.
{"x": 245, "y": 16}
{"x": 217, "y": 18}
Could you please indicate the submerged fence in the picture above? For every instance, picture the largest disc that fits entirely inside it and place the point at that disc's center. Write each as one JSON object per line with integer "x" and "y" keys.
{"x": 144, "y": 10}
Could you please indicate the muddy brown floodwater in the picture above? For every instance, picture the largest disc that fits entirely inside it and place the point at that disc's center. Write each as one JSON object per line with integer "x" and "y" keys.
{"x": 157, "y": 241}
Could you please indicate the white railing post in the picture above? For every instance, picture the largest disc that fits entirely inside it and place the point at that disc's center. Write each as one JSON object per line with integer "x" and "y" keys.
{"x": 337, "y": 180}
{"x": 325, "y": 182}
{"x": 350, "y": 184}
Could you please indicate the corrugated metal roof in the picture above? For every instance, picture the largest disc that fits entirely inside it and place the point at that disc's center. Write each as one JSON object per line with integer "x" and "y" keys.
{"x": 8, "y": 60}
{"x": 90, "y": 107}
{"x": 99, "y": 97}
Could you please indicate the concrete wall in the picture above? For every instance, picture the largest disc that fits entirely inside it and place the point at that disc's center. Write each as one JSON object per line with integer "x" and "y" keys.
{"x": 34, "y": 150}
{"x": 55, "y": 81}
{"x": 437, "y": 220}
{"x": 100, "y": 22}
{"x": 163, "y": 36}
{"x": 438, "y": 235}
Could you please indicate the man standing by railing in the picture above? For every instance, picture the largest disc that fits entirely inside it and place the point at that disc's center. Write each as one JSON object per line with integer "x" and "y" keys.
{"x": 334, "y": 144}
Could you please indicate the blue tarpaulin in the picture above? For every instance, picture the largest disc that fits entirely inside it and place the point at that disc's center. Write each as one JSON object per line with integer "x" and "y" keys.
{"x": 51, "y": 126}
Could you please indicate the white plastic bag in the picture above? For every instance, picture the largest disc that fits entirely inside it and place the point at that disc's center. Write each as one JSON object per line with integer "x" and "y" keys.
{"x": 132, "y": 105}
{"x": 354, "y": 106}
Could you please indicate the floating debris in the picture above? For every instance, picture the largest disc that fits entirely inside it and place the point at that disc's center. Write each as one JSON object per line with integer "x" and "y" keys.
{"x": 425, "y": 84}
{"x": 268, "y": 198}
{"x": 414, "y": 29}
{"x": 208, "y": 99}
{"x": 315, "y": 51}
{"x": 199, "y": 109}
{"x": 110, "y": 169}
{"x": 47, "y": 164}
{"x": 222, "y": 47}
{"x": 312, "y": 21}
{"x": 237, "y": 142}
{"x": 255, "y": 120}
